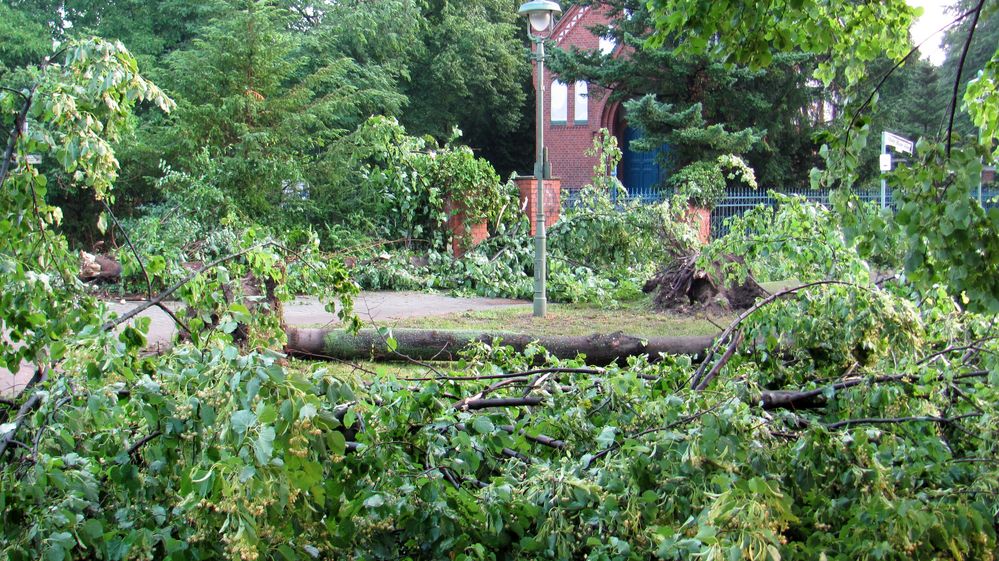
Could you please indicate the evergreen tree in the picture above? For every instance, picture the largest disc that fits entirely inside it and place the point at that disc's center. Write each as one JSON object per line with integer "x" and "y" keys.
{"x": 779, "y": 99}
{"x": 699, "y": 153}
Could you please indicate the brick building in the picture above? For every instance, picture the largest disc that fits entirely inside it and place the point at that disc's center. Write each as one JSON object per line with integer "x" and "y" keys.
{"x": 575, "y": 112}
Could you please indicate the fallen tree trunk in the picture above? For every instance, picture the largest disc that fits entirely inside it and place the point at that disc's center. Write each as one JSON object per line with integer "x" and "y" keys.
{"x": 431, "y": 344}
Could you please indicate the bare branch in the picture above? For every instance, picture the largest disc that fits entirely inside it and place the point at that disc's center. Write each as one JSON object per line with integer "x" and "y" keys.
{"x": 523, "y": 374}
{"x": 678, "y": 423}
{"x": 729, "y": 352}
{"x": 540, "y": 439}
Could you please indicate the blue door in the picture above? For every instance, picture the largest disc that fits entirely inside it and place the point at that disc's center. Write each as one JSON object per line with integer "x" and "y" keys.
{"x": 640, "y": 172}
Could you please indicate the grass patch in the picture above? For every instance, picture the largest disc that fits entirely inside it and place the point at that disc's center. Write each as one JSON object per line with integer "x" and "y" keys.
{"x": 634, "y": 318}
{"x": 363, "y": 370}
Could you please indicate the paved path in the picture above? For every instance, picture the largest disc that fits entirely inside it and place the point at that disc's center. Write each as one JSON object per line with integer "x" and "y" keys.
{"x": 371, "y": 307}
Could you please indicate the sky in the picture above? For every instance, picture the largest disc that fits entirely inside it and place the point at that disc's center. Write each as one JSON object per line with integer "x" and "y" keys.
{"x": 933, "y": 18}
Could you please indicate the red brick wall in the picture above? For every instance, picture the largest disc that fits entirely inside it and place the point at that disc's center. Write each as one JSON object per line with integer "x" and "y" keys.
{"x": 464, "y": 236}
{"x": 529, "y": 194}
{"x": 567, "y": 143}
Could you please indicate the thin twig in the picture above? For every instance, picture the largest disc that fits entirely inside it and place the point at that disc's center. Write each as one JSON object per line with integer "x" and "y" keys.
{"x": 899, "y": 420}
{"x": 461, "y": 405}
{"x": 131, "y": 246}
{"x": 898, "y": 65}
{"x": 174, "y": 317}
{"x": 670, "y": 426}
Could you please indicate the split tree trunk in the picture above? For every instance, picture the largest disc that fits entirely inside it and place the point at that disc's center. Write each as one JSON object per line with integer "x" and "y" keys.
{"x": 440, "y": 345}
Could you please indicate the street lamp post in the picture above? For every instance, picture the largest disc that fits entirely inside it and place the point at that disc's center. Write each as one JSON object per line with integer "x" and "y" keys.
{"x": 540, "y": 13}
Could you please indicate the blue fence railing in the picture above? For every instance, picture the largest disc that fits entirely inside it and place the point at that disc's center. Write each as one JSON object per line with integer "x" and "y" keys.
{"x": 741, "y": 199}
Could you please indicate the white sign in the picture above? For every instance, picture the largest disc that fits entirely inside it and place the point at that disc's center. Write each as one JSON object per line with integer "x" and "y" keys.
{"x": 901, "y": 144}
{"x": 885, "y": 163}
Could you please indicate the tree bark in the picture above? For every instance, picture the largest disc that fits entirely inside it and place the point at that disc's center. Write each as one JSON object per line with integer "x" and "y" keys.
{"x": 430, "y": 344}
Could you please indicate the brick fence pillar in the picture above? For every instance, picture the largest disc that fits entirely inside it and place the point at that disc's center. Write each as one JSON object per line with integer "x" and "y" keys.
{"x": 463, "y": 236}
{"x": 528, "y": 187}
{"x": 700, "y": 219}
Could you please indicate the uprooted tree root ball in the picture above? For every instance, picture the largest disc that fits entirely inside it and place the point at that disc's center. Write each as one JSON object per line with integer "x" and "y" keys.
{"x": 683, "y": 286}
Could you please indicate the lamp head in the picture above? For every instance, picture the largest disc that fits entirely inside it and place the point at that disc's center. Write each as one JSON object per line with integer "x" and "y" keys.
{"x": 540, "y": 13}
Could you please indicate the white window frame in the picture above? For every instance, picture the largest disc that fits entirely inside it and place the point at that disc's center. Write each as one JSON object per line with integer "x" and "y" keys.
{"x": 581, "y": 112}
{"x": 559, "y": 111}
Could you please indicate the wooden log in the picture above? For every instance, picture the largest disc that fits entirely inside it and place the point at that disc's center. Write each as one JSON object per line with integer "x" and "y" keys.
{"x": 433, "y": 344}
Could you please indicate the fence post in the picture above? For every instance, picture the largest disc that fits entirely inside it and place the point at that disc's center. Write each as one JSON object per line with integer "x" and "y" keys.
{"x": 884, "y": 182}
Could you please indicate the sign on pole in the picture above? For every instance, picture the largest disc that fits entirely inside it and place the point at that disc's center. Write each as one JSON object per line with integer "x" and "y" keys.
{"x": 899, "y": 143}
{"x": 885, "y": 162}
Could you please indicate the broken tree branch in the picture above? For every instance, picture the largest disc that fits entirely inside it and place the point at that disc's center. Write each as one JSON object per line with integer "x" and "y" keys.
{"x": 727, "y": 334}
{"x": 26, "y": 409}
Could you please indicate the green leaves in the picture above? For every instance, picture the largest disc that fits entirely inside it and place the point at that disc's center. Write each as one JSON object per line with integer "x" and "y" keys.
{"x": 851, "y": 33}
{"x": 242, "y": 420}
{"x": 263, "y": 447}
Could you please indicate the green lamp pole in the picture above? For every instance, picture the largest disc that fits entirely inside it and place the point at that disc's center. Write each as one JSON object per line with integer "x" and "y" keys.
{"x": 540, "y": 13}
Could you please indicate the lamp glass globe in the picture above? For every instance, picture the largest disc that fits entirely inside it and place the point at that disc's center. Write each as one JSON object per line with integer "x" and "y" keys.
{"x": 541, "y": 20}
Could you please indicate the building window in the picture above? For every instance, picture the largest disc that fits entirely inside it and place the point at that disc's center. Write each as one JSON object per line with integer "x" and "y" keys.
{"x": 560, "y": 103}
{"x": 581, "y": 106}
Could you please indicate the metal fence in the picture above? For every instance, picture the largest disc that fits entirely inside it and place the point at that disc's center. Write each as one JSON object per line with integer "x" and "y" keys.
{"x": 741, "y": 199}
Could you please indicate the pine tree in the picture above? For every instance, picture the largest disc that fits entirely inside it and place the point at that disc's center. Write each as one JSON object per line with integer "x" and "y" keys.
{"x": 778, "y": 99}
{"x": 699, "y": 153}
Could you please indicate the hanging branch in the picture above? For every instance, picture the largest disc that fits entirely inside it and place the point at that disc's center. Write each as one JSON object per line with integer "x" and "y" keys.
{"x": 898, "y": 65}
{"x": 21, "y": 120}
{"x": 960, "y": 68}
